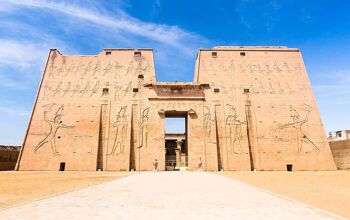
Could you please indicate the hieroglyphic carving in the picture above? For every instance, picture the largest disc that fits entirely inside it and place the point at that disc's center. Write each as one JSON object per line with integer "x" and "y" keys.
{"x": 67, "y": 89}
{"x": 57, "y": 89}
{"x": 85, "y": 89}
{"x": 263, "y": 68}
{"x": 76, "y": 89}
{"x": 118, "y": 69}
{"x": 121, "y": 125}
{"x": 280, "y": 90}
{"x": 286, "y": 67}
{"x": 129, "y": 68}
{"x": 97, "y": 68}
{"x": 268, "y": 69}
{"x": 276, "y": 67}
{"x": 127, "y": 89}
{"x": 143, "y": 128}
{"x": 86, "y": 68}
{"x": 107, "y": 69}
{"x": 139, "y": 85}
{"x": 233, "y": 130}
{"x": 55, "y": 123}
{"x": 46, "y": 89}
{"x": 69, "y": 69}
{"x": 296, "y": 122}
{"x": 207, "y": 122}
{"x": 142, "y": 65}
{"x": 95, "y": 88}
{"x": 52, "y": 68}
{"x": 76, "y": 71}
{"x": 61, "y": 69}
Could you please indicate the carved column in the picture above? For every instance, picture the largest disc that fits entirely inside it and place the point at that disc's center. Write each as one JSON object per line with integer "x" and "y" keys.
{"x": 178, "y": 153}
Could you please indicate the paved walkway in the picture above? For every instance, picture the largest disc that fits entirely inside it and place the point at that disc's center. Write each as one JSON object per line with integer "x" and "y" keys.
{"x": 166, "y": 196}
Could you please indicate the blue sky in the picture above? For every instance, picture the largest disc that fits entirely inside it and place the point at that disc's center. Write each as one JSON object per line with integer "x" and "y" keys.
{"x": 175, "y": 29}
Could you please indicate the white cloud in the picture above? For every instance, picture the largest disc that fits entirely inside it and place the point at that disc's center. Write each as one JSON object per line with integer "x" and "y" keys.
{"x": 5, "y": 6}
{"x": 20, "y": 54}
{"x": 15, "y": 112}
{"x": 165, "y": 34}
{"x": 75, "y": 29}
{"x": 21, "y": 61}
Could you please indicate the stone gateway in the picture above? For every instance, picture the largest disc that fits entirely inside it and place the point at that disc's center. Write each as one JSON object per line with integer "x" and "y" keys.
{"x": 248, "y": 108}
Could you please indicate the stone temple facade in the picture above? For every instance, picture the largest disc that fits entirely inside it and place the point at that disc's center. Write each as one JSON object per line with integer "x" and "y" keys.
{"x": 248, "y": 108}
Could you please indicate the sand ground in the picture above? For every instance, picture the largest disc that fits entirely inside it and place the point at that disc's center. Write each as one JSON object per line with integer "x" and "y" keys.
{"x": 325, "y": 190}
{"x": 21, "y": 187}
{"x": 167, "y": 195}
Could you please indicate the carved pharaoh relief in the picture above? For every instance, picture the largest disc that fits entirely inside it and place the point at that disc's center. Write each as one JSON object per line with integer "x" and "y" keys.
{"x": 55, "y": 123}
{"x": 233, "y": 130}
{"x": 143, "y": 128}
{"x": 121, "y": 127}
{"x": 295, "y": 127}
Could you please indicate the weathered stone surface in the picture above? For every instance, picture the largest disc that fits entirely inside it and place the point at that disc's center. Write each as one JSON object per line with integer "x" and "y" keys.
{"x": 247, "y": 108}
{"x": 8, "y": 157}
{"x": 341, "y": 153}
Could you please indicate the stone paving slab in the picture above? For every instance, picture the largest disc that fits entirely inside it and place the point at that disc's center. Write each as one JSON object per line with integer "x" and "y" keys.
{"x": 167, "y": 195}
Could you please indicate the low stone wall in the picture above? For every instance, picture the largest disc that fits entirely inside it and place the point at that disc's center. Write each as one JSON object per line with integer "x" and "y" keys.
{"x": 8, "y": 157}
{"x": 341, "y": 153}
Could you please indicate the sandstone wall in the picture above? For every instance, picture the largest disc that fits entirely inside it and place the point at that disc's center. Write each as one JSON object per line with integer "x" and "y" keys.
{"x": 341, "y": 153}
{"x": 266, "y": 112}
{"x": 248, "y": 108}
{"x": 90, "y": 112}
{"x": 8, "y": 157}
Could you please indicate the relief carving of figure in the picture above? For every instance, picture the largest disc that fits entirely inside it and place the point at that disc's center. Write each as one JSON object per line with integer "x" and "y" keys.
{"x": 267, "y": 69}
{"x": 208, "y": 126}
{"x": 127, "y": 89}
{"x": 61, "y": 69}
{"x": 97, "y": 68}
{"x": 277, "y": 68}
{"x": 55, "y": 124}
{"x": 58, "y": 89}
{"x": 121, "y": 125}
{"x": 87, "y": 68}
{"x": 95, "y": 88}
{"x": 234, "y": 131}
{"x": 107, "y": 69}
{"x": 67, "y": 89}
{"x": 118, "y": 69}
{"x": 46, "y": 89}
{"x": 76, "y": 89}
{"x": 286, "y": 67}
{"x": 52, "y": 68}
{"x": 207, "y": 122}
{"x": 231, "y": 67}
{"x": 143, "y": 125}
{"x": 296, "y": 121}
{"x": 142, "y": 66}
{"x": 129, "y": 68}
{"x": 69, "y": 69}
{"x": 85, "y": 89}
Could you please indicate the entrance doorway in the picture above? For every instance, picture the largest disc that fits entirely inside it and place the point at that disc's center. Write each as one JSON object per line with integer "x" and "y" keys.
{"x": 176, "y": 146}
{"x": 62, "y": 166}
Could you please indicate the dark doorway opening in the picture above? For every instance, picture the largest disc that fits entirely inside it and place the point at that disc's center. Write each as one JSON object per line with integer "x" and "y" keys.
{"x": 176, "y": 146}
{"x": 289, "y": 167}
{"x": 62, "y": 166}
